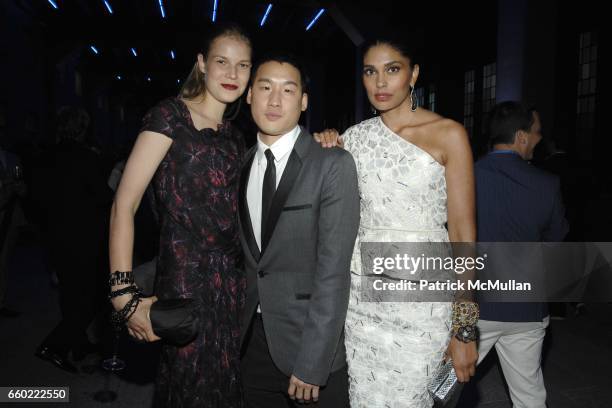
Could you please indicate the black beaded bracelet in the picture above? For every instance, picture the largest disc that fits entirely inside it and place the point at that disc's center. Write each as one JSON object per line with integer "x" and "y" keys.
{"x": 123, "y": 291}
{"x": 119, "y": 318}
{"x": 129, "y": 315}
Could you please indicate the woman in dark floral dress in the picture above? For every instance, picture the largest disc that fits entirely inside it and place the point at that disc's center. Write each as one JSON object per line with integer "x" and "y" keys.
{"x": 193, "y": 157}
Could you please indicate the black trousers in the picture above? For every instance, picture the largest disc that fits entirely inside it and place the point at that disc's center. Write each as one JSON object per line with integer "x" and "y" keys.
{"x": 265, "y": 386}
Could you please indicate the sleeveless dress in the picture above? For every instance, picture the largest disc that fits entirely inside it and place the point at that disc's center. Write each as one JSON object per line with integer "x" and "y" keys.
{"x": 196, "y": 195}
{"x": 394, "y": 348}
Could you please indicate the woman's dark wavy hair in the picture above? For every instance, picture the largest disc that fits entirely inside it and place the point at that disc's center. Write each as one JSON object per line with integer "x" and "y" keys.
{"x": 195, "y": 84}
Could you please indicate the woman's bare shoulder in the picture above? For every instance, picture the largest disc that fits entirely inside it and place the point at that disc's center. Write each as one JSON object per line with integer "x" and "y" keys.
{"x": 447, "y": 130}
{"x": 447, "y": 137}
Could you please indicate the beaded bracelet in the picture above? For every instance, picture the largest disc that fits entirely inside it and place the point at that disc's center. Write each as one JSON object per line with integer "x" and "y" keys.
{"x": 119, "y": 318}
{"x": 123, "y": 291}
{"x": 130, "y": 314}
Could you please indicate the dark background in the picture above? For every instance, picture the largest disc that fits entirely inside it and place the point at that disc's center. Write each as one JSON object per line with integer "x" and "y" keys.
{"x": 472, "y": 54}
{"x": 535, "y": 46}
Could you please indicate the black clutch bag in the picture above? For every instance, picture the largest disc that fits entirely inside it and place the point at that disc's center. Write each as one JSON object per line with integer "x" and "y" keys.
{"x": 174, "y": 320}
{"x": 144, "y": 276}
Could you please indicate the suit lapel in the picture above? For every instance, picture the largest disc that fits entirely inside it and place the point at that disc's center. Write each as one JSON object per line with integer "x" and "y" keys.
{"x": 292, "y": 170}
{"x": 294, "y": 164}
{"x": 245, "y": 217}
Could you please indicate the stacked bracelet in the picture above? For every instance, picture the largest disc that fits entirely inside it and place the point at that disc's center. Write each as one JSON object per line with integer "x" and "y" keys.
{"x": 465, "y": 318}
{"x": 121, "y": 278}
{"x": 119, "y": 318}
{"x": 132, "y": 310}
{"x": 123, "y": 291}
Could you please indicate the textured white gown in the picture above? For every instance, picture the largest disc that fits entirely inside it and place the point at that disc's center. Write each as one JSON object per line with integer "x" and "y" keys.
{"x": 393, "y": 349}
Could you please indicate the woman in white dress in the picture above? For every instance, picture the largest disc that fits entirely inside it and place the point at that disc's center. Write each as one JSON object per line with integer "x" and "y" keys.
{"x": 415, "y": 173}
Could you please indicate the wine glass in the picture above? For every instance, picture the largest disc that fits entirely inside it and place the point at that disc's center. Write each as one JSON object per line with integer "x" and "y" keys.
{"x": 111, "y": 365}
{"x": 114, "y": 363}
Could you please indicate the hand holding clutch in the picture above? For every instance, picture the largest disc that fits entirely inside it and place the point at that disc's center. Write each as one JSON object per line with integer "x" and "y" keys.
{"x": 139, "y": 325}
{"x": 444, "y": 384}
{"x": 175, "y": 320}
{"x": 464, "y": 356}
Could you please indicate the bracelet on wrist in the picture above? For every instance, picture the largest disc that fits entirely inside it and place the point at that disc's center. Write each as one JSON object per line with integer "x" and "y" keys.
{"x": 464, "y": 321}
{"x": 120, "y": 317}
{"x": 466, "y": 334}
{"x": 123, "y": 291}
{"x": 121, "y": 278}
{"x": 465, "y": 314}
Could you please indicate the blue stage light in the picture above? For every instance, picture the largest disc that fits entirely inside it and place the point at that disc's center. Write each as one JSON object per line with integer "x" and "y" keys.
{"x": 161, "y": 9}
{"x": 314, "y": 20}
{"x": 214, "y": 15}
{"x": 265, "y": 16}
{"x": 108, "y": 6}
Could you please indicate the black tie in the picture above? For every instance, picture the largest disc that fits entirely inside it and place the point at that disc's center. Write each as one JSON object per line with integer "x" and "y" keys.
{"x": 269, "y": 188}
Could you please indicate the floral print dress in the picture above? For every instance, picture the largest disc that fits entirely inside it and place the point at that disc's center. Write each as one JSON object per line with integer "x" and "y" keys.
{"x": 196, "y": 194}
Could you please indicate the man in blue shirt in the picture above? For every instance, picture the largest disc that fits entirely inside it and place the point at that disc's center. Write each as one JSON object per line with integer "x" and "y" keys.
{"x": 516, "y": 202}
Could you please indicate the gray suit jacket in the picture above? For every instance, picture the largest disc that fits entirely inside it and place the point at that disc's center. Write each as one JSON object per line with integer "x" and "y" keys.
{"x": 301, "y": 277}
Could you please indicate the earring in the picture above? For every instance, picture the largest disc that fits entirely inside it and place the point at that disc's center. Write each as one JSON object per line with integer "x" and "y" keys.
{"x": 374, "y": 112}
{"x": 413, "y": 101}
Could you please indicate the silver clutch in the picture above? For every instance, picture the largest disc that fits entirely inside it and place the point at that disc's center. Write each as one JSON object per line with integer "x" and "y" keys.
{"x": 444, "y": 384}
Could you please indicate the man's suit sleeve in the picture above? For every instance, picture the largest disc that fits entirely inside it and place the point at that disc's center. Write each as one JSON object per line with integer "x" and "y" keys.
{"x": 338, "y": 224}
{"x": 557, "y": 227}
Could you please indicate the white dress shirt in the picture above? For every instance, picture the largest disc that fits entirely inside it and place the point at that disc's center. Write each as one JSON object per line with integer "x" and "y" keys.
{"x": 281, "y": 149}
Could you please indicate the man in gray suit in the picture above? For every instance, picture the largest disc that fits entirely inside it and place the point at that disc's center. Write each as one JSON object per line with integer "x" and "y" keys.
{"x": 299, "y": 215}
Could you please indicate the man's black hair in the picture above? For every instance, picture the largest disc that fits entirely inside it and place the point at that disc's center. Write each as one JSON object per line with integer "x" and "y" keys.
{"x": 284, "y": 58}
